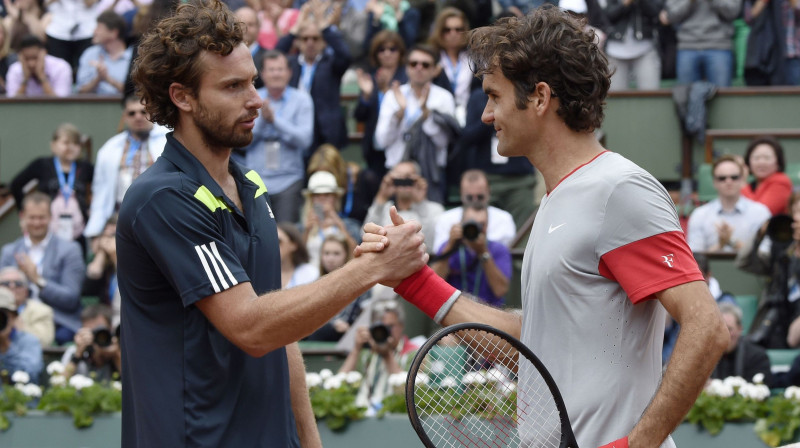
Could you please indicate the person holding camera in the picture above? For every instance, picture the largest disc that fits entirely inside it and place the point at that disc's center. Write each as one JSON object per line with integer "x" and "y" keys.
{"x": 380, "y": 350}
{"x": 471, "y": 262}
{"x": 96, "y": 350}
{"x": 405, "y": 188}
{"x": 18, "y": 350}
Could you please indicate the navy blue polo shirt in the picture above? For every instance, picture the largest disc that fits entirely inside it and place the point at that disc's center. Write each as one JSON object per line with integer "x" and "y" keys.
{"x": 179, "y": 240}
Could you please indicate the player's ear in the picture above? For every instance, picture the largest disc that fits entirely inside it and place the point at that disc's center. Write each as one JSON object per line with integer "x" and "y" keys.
{"x": 540, "y": 97}
{"x": 181, "y": 96}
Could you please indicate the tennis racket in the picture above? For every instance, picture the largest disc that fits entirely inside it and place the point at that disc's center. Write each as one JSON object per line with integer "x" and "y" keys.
{"x": 462, "y": 391}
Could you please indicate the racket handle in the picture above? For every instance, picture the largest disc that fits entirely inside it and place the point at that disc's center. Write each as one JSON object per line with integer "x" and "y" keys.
{"x": 621, "y": 443}
{"x": 428, "y": 292}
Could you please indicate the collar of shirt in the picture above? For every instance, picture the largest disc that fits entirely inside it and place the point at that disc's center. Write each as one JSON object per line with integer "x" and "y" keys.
{"x": 737, "y": 209}
{"x": 29, "y": 243}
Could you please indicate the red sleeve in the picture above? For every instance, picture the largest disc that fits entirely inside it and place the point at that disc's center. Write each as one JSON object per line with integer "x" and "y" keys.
{"x": 653, "y": 264}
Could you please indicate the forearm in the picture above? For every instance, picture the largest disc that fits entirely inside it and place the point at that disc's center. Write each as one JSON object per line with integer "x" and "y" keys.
{"x": 90, "y": 86}
{"x": 498, "y": 281}
{"x": 301, "y": 404}
{"x": 466, "y": 309}
{"x": 351, "y": 361}
{"x": 47, "y": 88}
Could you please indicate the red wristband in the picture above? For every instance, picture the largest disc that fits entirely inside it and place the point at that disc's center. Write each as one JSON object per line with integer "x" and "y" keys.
{"x": 621, "y": 443}
{"x": 427, "y": 291}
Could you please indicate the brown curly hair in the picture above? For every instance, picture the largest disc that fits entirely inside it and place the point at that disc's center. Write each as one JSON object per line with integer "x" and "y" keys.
{"x": 172, "y": 52}
{"x": 547, "y": 45}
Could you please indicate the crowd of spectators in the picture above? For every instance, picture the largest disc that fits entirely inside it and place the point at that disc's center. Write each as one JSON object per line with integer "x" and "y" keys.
{"x": 419, "y": 107}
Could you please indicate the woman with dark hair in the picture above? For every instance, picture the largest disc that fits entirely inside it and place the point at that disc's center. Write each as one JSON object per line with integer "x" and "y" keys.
{"x": 25, "y": 17}
{"x": 770, "y": 185}
{"x": 449, "y": 38}
{"x": 295, "y": 268}
{"x": 386, "y": 55}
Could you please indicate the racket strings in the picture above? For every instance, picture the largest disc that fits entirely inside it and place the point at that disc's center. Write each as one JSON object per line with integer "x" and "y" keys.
{"x": 467, "y": 395}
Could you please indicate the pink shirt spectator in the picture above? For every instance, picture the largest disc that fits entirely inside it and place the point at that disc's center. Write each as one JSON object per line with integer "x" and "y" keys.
{"x": 57, "y": 71}
{"x": 267, "y": 37}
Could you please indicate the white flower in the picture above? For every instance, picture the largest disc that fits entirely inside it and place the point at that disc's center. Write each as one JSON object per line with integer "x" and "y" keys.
{"x": 437, "y": 366}
{"x": 79, "y": 382}
{"x": 58, "y": 380}
{"x": 21, "y": 377}
{"x": 353, "y": 377}
{"x": 507, "y": 388}
{"x": 55, "y": 368}
{"x": 495, "y": 376}
{"x": 474, "y": 378}
{"x": 325, "y": 374}
{"x": 333, "y": 382}
{"x": 422, "y": 378}
{"x": 758, "y": 378}
{"x": 116, "y": 385}
{"x": 735, "y": 381}
{"x": 449, "y": 382}
{"x": 719, "y": 388}
{"x": 31, "y": 390}
{"x": 792, "y": 393}
{"x": 758, "y": 392}
{"x": 313, "y": 380}
{"x": 397, "y": 379}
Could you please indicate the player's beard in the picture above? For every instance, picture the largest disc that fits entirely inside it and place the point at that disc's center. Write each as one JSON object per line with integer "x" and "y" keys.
{"x": 214, "y": 131}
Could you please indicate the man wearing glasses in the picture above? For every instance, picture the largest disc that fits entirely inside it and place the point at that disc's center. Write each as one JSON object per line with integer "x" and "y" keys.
{"x": 121, "y": 160}
{"x": 413, "y": 102}
{"x": 34, "y": 316}
{"x": 730, "y": 220}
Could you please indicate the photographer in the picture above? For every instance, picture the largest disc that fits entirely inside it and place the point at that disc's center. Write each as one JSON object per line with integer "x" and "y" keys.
{"x": 18, "y": 350}
{"x": 775, "y": 252}
{"x": 472, "y": 263}
{"x": 96, "y": 350}
{"x": 389, "y": 351}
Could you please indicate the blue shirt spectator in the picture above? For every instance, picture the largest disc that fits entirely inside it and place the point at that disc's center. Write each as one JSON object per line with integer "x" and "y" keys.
{"x": 103, "y": 67}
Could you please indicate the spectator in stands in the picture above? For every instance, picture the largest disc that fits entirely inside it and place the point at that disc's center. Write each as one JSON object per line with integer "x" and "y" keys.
{"x": 96, "y": 351}
{"x": 354, "y": 201}
{"x": 70, "y": 30}
{"x": 249, "y": 17}
{"x": 295, "y": 267}
{"x": 422, "y": 112}
{"x": 33, "y": 316}
{"x": 771, "y": 186}
{"x": 742, "y": 357}
{"x": 19, "y": 350}
{"x": 103, "y": 268}
{"x": 121, "y": 160}
{"x": 390, "y": 351}
{"x": 396, "y": 16}
{"x": 520, "y": 8}
{"x": 631, "y": 44}
{"x": 449, "y": 39}
{"x": 333, "y": 255}
{"x": 103, "y": 67}
{"x": 773, "y": 53}
{"x": 475, "y": 193}
{"x": 705, "y": 32}
{"x": 65, "y": 177}
{"x": 37, "y": 73}
{"x": 512, "y": 179}
{"x": 725, "y": 223}
{"x": 319, "y": 67}
{"x": 24, "y": 17}
{"x": 6, "y": 56}
{"x": 404, "y": 188}
{"x": 281, "y": 138}
{"x": 321, "y": 215}
{"x": 54, "y": 266}
{"x": 277, "y": 18}
{"x": 472, "y": 262}
{"x": 386, "y": 56}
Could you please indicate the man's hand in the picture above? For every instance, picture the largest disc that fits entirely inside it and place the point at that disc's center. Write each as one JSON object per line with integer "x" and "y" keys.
{"x": 83, "y": 338}
{"x": 398, "y": 96}
{"x": 27, "y": 266}
{"x": 267, "y": 114}
{"x": 725, "y": 232}
{"x": 478, "y": 245}
{"x": 420, "y": 189}
{"x": 39, "y": 71}
{"x": 100, "y": 66}
{"x": 386, "y": 190}
{"x": 365, "y": 84}
{"x": 405, "y": 253}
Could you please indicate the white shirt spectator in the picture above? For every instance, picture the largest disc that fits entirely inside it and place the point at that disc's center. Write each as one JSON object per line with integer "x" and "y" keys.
{"x": 500, "y": 228}
{"x": 747, "y": 217}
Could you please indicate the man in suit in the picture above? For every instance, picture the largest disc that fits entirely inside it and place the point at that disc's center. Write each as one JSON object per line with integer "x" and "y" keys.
{"x": 53, "y": 265}
{"x": 318, "y": 69}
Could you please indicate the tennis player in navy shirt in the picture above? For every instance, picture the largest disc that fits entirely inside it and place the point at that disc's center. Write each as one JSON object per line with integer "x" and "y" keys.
{"x": 208, "y": 340}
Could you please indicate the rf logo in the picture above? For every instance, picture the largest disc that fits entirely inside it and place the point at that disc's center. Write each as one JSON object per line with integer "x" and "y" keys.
{"x": 668, "y": 259}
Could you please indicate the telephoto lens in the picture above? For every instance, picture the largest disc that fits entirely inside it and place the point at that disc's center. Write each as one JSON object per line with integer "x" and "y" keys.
{"x": 3, "y": 320}
{"x": 471, "y": 230}
{"x": 379, "y": 333}
{"x": 102, "y": 336}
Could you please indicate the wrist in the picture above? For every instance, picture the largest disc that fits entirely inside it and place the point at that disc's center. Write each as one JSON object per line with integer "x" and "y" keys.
{"x": 428, "y": 292}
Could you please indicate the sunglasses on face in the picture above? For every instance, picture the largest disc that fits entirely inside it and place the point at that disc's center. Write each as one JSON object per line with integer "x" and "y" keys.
{"x": 389, "y": 49}
{"x": 414, "y": 64}
{"x": 133, "y": 113}
{"x": 459, "y": 29}
{"x": 724, "y": 178}
{"x": 309, "y": 38}
{"x": 475, "y": 197}
{"x": 12, "y": 284}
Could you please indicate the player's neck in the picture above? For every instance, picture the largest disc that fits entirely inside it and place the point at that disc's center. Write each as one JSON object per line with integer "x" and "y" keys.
{"x": 558, "y": 156}
{"x": 215, "y": 160}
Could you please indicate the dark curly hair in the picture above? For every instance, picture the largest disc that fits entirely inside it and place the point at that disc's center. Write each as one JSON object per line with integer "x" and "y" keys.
{"x": 770, "y": 141}
{"x": 172, "y": 52}
{"x": 547, "y": 45}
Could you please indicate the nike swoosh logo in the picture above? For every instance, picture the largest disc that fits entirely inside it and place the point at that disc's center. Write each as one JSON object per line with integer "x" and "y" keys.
{"x": 553, "y": 229}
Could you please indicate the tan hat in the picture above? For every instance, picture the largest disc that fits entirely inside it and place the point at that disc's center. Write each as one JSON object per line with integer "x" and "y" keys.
{"x": 7, "y": 300}
{"x": 322, "y": 182}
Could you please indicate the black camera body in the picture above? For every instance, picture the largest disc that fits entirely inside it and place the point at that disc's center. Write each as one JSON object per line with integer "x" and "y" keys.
{"x": 3, "y": 320}
{"x": 471, "y": 230}
{"x": 380, "y": 333}
{"x": 102, "y": 336}
{"x": 403, "y": 182}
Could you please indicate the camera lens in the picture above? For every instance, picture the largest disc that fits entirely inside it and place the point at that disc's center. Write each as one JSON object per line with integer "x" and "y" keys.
{"x": 3, "y": 320}
{"x": 471, "y": 230}
{"x": 379, "y": 333}
{"x": 102, "y": 337}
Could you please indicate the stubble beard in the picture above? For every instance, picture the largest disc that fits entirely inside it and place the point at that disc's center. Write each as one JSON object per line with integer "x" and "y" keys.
{"x": 214, "y": 134}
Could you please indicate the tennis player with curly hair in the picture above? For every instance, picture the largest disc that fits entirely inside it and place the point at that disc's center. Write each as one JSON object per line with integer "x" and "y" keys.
{"x": 606, "y": 259}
